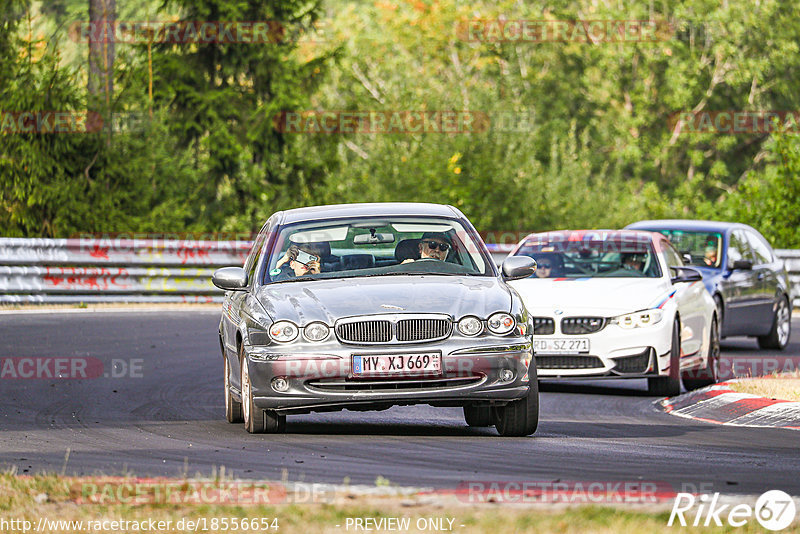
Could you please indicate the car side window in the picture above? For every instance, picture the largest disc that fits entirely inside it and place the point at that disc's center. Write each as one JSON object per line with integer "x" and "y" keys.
{"x": 761, "y": 250}
{"x": 739, "y": 249}
{"x": 673, "y": 258}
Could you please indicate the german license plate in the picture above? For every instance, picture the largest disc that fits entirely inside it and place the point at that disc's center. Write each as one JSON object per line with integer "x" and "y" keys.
{"x": 561, "y": 345}
{"x": 417, "y": 364}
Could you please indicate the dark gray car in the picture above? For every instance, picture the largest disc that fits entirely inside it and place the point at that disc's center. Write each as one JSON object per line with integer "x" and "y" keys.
{"x": 367, "y": 306}
{"x": 740, "y": 270}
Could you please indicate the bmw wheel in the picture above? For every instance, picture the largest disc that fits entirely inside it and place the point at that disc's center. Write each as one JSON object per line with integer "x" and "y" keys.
{"x": 669, "y": 386}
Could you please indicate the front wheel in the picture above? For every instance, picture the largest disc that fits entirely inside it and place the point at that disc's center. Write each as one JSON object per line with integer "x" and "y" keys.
{"x": 233, "y": 408}
{"x": 520, "y": 417}
{"x": 778, "y": 337}
{"x": 256, "y": 420}
{"x": 700, "y": 378}
{"x": 669, "y": 386}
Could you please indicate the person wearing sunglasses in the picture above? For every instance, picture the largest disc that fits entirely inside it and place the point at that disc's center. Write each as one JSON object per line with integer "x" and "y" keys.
{"x": 544, "y": 268}
{"x": 433, "y": 246}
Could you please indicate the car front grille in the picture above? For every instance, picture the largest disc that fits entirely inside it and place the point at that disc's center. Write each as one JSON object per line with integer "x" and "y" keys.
{"x": 543, "y": 326}
{"x": 365, "y": 332}
{"x": 568, "y": 362}
{"x": 582, "y": 325}
{"x": 393, "y": 329}
{"x": 633, "y": 364}
{"x": 422, "y": 329}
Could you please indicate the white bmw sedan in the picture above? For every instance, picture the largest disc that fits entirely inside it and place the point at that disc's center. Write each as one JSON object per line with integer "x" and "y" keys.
{"x": 618, "y": 304}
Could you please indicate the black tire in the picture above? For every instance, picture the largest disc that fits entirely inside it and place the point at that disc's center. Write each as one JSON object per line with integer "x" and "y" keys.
{"x": 720, "y": 313}
{"x": 669, "y": 386}
{"x": 520, "y": 417}
{"x": 233, "y": 408}
{"x": 478, "y": 415}
{"x": 778, "y": 336}
{"x": 256, "y": 420}
{"x": 252, "y": 414}
{"x": 700, "y": 378}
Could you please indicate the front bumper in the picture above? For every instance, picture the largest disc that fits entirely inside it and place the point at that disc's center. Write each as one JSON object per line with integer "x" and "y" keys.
{"x": 614, "y": 352}
{"x": 320, "y": 378}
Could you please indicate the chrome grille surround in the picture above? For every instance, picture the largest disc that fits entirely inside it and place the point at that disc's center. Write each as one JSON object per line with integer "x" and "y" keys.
{"x": 393, "y": 328}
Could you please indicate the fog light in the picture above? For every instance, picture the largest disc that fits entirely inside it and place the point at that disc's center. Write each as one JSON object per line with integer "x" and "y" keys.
{"x": 280, "y": 383}
{"x": 506, "y": 375}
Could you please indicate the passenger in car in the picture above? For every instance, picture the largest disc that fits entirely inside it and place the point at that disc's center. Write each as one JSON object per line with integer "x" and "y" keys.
{"x": 299, "y": 260}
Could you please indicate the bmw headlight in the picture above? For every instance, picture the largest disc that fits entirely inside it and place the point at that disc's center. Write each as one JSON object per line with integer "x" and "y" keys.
{"x": 283, "y": 331}
{"x": 470, "y": 326}
{"x": 500, "y": 323}
{"x": 316, "y": 331}
{"x": 640, "y": 319}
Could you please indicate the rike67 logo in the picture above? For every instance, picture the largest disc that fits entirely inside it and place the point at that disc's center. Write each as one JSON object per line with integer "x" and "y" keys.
{"x": 774, "y": 510}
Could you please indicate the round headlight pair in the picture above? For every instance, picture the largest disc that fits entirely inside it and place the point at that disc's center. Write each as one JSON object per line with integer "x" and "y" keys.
{"x": 498, "y": 323}
{"x": 286, "y": 331}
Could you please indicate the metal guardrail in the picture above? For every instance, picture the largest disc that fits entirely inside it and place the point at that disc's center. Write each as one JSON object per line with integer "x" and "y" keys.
{"x": 113, "y": 270}
{"x": 151, "y": 270}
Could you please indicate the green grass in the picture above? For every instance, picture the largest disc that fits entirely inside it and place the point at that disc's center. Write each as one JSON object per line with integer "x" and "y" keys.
{"x": 58, "y": 497}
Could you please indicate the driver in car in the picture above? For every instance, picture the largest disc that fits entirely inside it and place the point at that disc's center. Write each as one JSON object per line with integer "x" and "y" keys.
{"x": 433, "y": 246}
{"x": 633, "y": 261}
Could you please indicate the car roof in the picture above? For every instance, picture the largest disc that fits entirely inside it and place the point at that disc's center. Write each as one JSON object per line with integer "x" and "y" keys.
{"x": 372, "y": 209}
{"x": 687, "y": 225}
{"x": 580, "y": 235}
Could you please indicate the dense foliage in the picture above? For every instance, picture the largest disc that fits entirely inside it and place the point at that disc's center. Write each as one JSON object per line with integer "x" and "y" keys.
{"x": 579, "y": 134}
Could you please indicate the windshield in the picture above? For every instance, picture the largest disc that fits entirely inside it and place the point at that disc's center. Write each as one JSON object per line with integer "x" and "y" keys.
{"x": 362, "y": 247}
{"x": 703, "y": 249}
{"x": 630, "y": 257}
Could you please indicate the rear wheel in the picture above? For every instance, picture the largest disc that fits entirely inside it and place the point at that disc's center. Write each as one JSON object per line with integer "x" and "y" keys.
{"x": 478, "y": 415}
{"x": 520, "y": 417}
{"x": 700, "y": 378}
{"x": 778, "y": 337}
{"x": 233, "y": 408}
{"x": 669, "y": 386}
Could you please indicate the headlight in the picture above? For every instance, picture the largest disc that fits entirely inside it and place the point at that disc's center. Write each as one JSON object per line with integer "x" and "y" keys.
{"x": 501, "y": 323}
{"x": 638, "y": 319}
{"x": 283, "y": 331}
{"x": 470, "y": 326}
{"x": 316, "y": 331}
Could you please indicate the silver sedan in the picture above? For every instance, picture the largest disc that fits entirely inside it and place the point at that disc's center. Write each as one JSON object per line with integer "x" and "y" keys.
{"x": 368, "y": 306}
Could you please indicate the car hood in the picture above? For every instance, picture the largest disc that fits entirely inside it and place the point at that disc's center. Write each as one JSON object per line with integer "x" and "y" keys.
{"x": 592, "y": 296}
{"x": 328, "y": 300}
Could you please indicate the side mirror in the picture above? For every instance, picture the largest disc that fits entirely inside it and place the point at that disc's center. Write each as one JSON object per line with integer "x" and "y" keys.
{"x": 517, "y": 267}
{"x": 230, "y": 278}
{"x": 686, "y": 274}
{"x": 742, "y": 265}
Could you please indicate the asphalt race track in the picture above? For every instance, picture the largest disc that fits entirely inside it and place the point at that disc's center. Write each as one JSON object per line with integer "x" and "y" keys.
{"x": 155, "y": 408}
